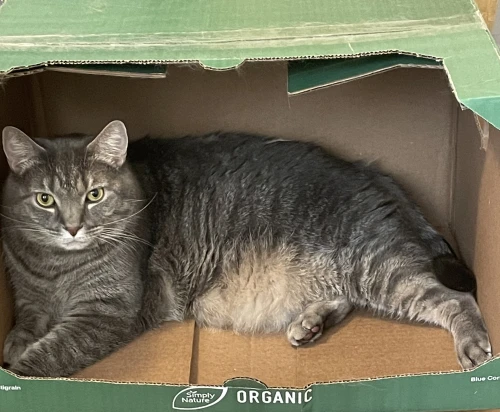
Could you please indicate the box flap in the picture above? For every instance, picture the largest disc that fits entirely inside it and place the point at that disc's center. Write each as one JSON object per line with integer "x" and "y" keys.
{"x": 125, "y": 69}
{"x": 306, "y": 75}
{"x": 223, "y": 33}
{"x": 142, "y": 71}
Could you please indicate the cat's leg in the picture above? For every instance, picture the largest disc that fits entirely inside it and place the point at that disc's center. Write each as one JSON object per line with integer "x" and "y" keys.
{"x": 29, "y": 327}
{"x": 311, "y": 323}
{"x": 16, "y": 343}
{"x": 421, "y": 297}
{"x": 161, "y": 301}
{"x": 83, "y": 337}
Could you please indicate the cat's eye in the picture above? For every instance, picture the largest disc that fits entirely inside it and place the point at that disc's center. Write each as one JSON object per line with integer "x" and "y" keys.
{"x": 95, "y": 194}
{"x": 44, "y": 199}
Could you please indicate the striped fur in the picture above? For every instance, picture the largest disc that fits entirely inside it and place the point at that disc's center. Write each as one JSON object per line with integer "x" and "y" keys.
{"x": 74, "y": 304}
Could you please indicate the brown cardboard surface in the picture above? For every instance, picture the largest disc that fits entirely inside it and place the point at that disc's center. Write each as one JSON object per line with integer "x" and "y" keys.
{"x": 488, "y": 10}
{"x": 475, "y": 223}
{"x": 469, "y": 169}
{"x": 15, "y": 109}
{"x": 6, "y": 313}
{"x": 391, "y": 119}
{"x": 162, "y": 355}
{"x": 487, "y": 240}
{"x": 362, "y": 347}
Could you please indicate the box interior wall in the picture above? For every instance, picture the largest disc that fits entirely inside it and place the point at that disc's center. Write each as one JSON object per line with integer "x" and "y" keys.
{"x": 407, "y": 121}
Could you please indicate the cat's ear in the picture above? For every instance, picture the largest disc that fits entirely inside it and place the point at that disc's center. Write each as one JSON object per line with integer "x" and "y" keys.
{"x": 21, "y": 151}
{"x": 110, "y": 146}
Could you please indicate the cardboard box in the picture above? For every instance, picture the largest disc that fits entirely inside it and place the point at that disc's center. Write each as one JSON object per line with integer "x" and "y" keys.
{"x": 379, "y": 80}
{"x": 488, "y": 10}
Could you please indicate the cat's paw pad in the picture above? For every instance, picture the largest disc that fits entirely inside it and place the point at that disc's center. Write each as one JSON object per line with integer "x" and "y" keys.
{"x": 306, "y": 329}
{"x": 474, "y": 350}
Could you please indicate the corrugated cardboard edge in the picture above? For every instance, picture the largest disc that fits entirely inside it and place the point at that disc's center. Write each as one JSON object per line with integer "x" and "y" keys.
{"x": 375, "y": 379}
{"x": 55, "y": 65}
{"x": 70, "y": 67}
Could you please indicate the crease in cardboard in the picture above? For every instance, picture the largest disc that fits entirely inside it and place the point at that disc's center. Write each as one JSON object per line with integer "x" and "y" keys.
{"x": 453, "y": 180}
{"x": 483, "y": 128}
{"x": 193, "y": 362}
{"x": 267, "y": 34}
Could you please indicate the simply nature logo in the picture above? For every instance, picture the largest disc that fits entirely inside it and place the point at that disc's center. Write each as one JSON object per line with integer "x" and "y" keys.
{"x": 198, "y": 397}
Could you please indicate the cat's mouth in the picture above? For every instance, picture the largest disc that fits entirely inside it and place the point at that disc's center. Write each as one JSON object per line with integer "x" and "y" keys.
{"x": 74, "y": 244}
{"x": 78, "y": 242}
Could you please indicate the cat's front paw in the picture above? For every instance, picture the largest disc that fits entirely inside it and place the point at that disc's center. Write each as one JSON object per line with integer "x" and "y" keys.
{"x": 19, "y": 371}
{"x": 15, "y": 345}
{"x": 23, "y": 370}
{"x": 473, "y": 348}
{"x": 23, "y": 367}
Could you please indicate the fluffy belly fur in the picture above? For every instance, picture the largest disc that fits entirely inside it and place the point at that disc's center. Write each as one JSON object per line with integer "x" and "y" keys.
{"x": 261, "y": 294}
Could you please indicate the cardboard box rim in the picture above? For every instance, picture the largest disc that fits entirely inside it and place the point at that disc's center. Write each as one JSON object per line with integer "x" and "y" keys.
{"x": 417, "y": 32}
{"x": 321, "y": 382}
{"x": 486, "y": 149}
{"x": 69, "y": 66}
{"x": 295, "y": 388}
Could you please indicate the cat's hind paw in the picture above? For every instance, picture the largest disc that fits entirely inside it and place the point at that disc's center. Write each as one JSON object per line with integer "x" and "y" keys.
{"x": 306, "y": 329}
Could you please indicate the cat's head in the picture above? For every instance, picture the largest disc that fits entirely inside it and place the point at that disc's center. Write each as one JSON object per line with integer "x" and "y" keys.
{"x": 71, "y": 193}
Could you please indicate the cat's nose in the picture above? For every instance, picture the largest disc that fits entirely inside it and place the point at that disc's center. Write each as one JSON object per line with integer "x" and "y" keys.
{"x": 73, "y": 230}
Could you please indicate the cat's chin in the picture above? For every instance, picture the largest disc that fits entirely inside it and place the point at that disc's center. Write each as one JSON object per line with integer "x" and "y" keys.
{"x": 74, "y": 244}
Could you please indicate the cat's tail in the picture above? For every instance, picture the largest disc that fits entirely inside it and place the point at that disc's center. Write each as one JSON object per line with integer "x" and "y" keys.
{"x": 453, "y": 274}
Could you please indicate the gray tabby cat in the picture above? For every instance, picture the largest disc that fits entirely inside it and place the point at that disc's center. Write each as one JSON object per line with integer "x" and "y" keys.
{"x": 237, "y": 231}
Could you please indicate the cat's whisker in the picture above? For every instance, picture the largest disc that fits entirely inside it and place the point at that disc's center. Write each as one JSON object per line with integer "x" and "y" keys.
{"x": 110, "y": 240}
{"x": 119, "y": 233}
{"x": 134, "y": 200}
{"x": 139, "y": 240}
{"x": 28, "y": 229}
{"x": 133, "y": 214}
{"x": 124, "y": 243}
{"x": 105, "y": 241}
{"x": 16, "y": 220}
{"x": 27, "y": 225}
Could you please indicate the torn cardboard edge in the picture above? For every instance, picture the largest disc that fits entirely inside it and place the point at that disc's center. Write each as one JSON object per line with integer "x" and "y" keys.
{"x": 306, "y": 76}
{"x": 482, "y": 125}
{"x": 139, "y": 67}
{"x": 230, "y": 382}
{"x": 306, "y": 73}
